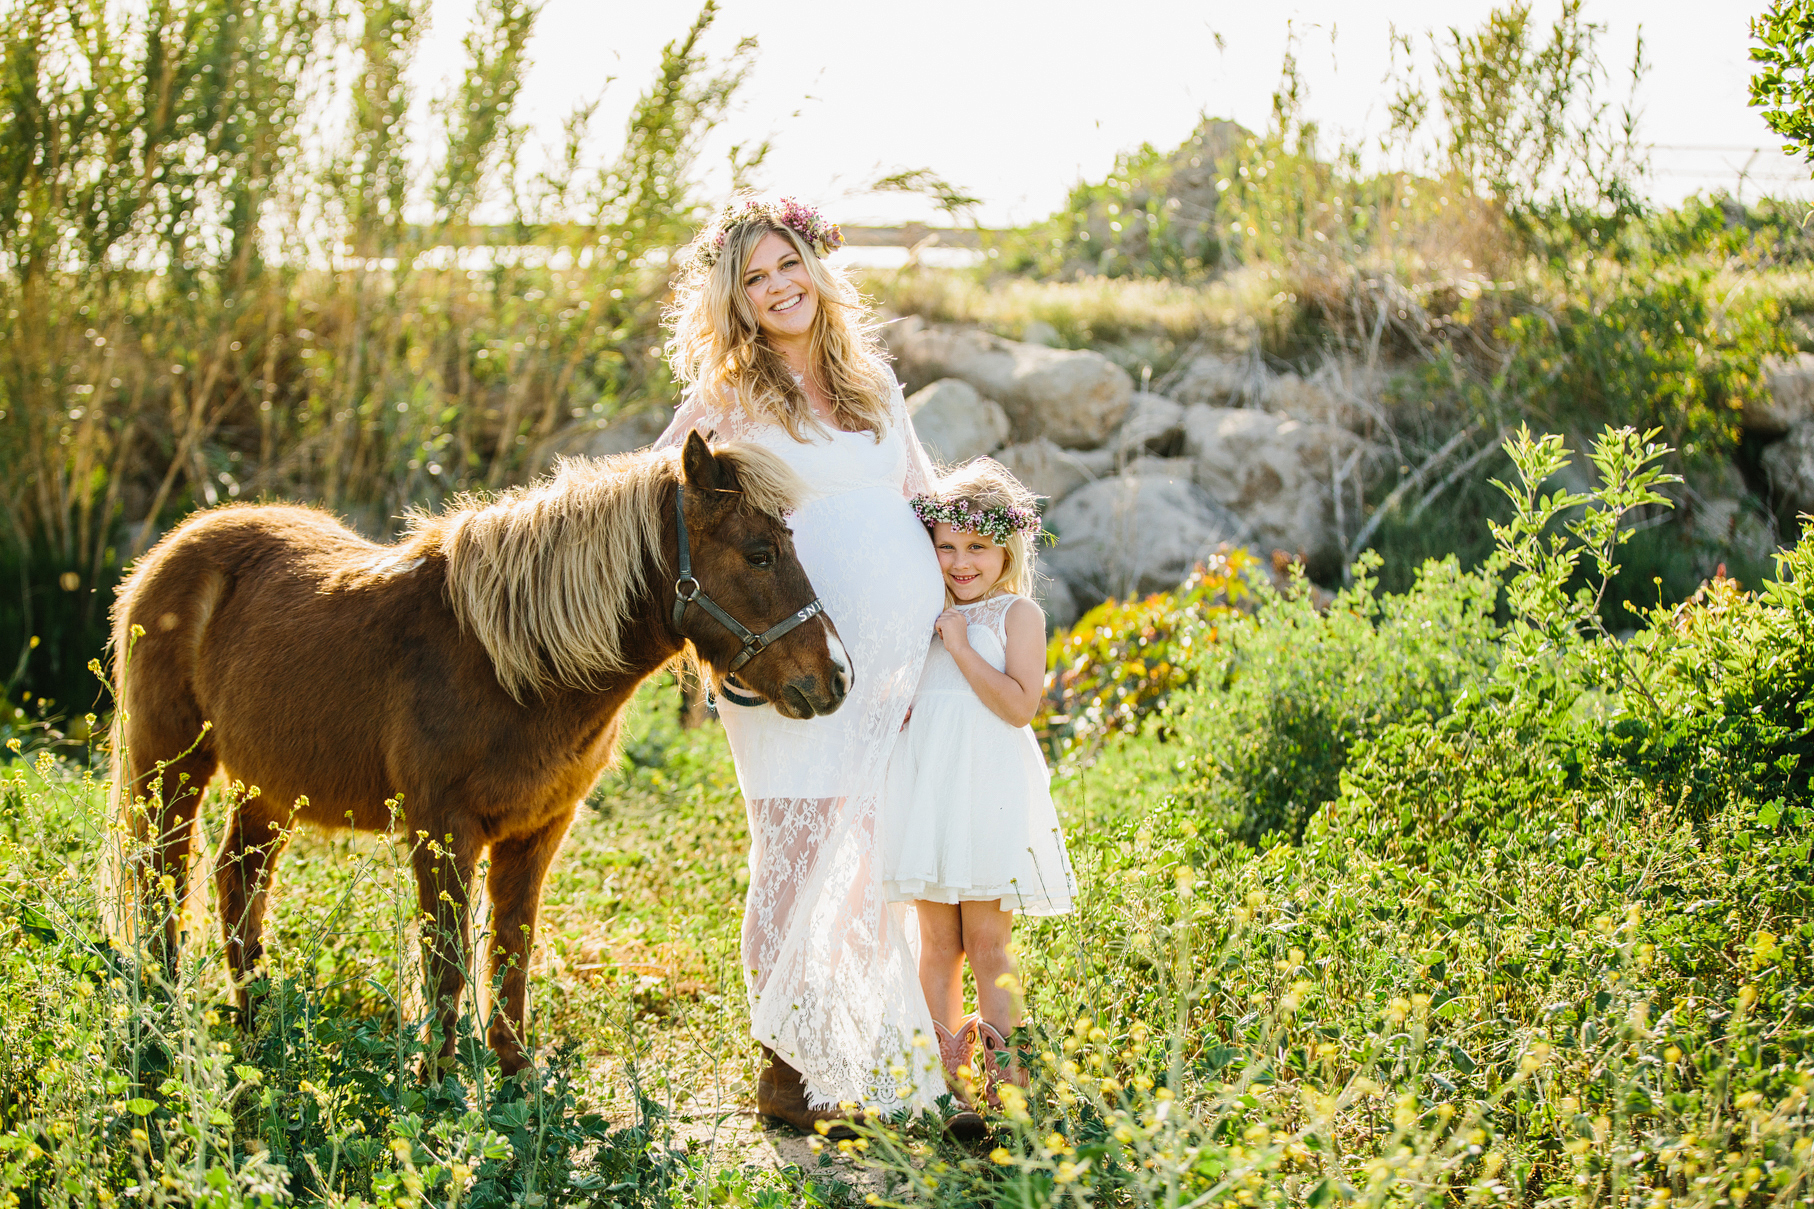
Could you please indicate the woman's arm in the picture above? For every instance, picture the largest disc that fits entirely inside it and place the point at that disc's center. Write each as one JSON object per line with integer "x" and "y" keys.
{"x": 919, "y": 467}
{"x": 689, "y": 415}
{"x": 1011, "y": 695}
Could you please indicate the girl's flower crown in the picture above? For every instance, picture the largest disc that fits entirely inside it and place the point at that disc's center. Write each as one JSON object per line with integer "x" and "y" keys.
{"x": 822, "y": 237}
{"x": 998, "y": 524}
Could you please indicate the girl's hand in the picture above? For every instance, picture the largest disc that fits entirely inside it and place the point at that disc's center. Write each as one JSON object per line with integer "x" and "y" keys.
{"x": 954, "y": 629}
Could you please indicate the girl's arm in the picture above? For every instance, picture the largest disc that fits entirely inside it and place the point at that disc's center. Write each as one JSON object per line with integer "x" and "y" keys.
{"x": 1013, "y": 695}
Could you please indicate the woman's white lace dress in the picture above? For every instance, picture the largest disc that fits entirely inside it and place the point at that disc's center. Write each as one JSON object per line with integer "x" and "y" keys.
{"x": 832, "y": 982}
{"x": 968, "y": 815}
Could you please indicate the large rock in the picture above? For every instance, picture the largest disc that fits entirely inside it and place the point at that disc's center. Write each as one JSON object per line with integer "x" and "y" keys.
{"x": 1097, "y": 463}
{"x": 1726, "y": 518}
{"x": 1047, "y": 470}
{"x": 1789, "y": 465}
{"x": 1787, "y": 399}
{"x": 623, "y": 433}
{"x": 1134, "y": 534}
{"x": 955, "y": 423}
{"x": 1153, "y": 424}
{"x": 1072, "y": 397}
{"x": 1219, "y": 382}
{"x": 1335, "y": 394}
{"x": 1275, "y": 473}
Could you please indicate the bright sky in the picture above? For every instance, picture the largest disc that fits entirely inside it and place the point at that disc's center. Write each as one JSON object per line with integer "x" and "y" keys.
{"x": 1017, "y": 100}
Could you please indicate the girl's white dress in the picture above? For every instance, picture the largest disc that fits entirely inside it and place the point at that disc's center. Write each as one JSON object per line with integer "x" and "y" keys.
{"x": 968, "y": 814}
{"x": 831, "y": 979}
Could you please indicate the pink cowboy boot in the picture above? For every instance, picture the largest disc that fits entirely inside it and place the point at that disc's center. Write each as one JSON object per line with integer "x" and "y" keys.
{"x": 955, "y": 1051}
{"x": 999, "y": 1063}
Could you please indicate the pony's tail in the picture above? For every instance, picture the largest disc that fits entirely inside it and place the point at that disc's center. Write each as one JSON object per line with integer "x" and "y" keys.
{"x": 124, "y": 829}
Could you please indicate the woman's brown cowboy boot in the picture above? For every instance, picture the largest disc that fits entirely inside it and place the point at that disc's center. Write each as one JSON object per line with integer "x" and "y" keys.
{"x": 781, "y": 1094}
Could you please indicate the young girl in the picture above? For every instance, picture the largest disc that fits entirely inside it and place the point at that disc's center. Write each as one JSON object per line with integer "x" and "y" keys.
{"x": 970, "y": 835}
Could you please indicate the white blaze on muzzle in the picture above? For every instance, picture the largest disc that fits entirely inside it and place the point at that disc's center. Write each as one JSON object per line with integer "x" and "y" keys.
{"x": 840, "y": 658}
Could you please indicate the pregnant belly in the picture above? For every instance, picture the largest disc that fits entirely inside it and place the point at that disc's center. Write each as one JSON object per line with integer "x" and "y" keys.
{"x": 871, "y": 562}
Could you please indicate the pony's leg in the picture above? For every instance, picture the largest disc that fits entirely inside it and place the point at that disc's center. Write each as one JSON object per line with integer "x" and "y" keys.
{"x": 445, "y": 866}
{"x": 248, "y": 858}
{"x": 518, "y": 868}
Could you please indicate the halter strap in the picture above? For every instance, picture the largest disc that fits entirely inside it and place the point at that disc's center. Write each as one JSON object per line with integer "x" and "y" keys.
{"x": 753, "y": 643}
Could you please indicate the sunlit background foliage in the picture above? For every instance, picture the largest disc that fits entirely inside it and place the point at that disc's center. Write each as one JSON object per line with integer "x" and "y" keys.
{"x": 1479, "y": 878}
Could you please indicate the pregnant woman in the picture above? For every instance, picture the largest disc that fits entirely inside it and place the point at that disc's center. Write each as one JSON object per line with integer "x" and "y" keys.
{"x": 776, "y": 348}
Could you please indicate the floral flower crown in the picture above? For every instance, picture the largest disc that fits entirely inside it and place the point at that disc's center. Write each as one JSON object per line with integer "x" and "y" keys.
{"x": 998, "y": 524}
{"x": 822, "y": 237}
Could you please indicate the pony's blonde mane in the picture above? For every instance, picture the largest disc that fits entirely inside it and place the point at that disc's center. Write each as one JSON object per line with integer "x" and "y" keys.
{"x": 545, "y": 575}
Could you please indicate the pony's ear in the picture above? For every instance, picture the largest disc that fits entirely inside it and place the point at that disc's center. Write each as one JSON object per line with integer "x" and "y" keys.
{"x": 701, "y": 469}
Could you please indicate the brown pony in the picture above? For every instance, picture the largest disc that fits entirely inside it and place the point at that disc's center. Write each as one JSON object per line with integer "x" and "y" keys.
{"x": 476, "y": 670}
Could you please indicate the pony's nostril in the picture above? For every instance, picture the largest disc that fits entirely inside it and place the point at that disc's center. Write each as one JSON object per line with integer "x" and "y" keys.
{"x": 814, "y": 695}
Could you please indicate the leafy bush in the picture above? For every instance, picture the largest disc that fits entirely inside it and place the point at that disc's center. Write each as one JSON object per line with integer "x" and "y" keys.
{"x": 1648, "y": 353}
{"x": 1289, "y": 692}
{"x": 1122, "y": 661}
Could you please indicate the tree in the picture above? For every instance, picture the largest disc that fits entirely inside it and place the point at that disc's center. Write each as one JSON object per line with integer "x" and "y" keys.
{"x": 1784, "y": 87}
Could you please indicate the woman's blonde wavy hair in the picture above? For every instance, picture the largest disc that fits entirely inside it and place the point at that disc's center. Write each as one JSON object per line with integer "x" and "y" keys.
{"x": 718, "y": 348}
{"x": 984, "y": 484}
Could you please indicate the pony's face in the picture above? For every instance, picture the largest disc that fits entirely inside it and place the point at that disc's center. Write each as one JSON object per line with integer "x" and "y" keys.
{"x": 744, "y": 560}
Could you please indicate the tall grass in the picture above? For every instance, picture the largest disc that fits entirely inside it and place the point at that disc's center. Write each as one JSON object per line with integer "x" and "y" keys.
{"x": 122, "y": 1084}
{"x": 230, "y": 271}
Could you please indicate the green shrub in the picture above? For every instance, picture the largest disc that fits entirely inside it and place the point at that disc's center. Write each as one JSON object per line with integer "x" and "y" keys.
{"x": 1647, "y": 352}
{"x": 1288, "y": 693}
{"x": 1436, "y": 797}
{"x": 1722, "y": 708}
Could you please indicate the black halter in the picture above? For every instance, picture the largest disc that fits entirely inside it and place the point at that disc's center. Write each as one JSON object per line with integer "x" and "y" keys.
{"x": 753, "y": 644}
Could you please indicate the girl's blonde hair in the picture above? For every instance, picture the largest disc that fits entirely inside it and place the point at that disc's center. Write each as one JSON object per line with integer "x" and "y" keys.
{"x": 718, "y": 347}
{"x": 985, "y": 485}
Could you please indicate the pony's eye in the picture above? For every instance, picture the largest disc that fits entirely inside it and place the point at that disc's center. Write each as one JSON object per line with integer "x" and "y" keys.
{"x": 763, "y": 559}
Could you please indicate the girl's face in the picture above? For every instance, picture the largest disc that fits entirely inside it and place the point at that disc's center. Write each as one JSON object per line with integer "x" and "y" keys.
{"x": 781, "y": 290}
{"x": 972, "y": 563}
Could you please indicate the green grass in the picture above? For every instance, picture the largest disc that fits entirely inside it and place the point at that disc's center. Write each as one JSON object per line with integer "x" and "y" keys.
{"x": 1545, "y": 940}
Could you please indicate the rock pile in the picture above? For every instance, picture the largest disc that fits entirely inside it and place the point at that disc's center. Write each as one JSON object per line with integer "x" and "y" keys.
{"x": 1139, "y": 486}
{"x": 1783, "y": 422}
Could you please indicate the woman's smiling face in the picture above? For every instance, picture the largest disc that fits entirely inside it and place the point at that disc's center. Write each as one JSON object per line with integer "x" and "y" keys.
{"x": 781, "y": 290}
